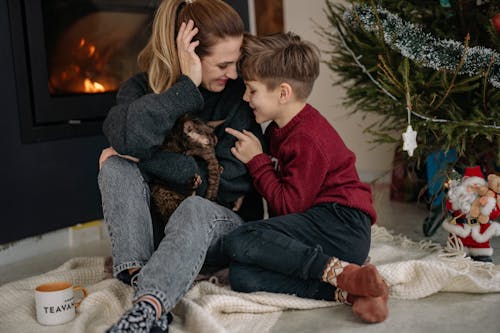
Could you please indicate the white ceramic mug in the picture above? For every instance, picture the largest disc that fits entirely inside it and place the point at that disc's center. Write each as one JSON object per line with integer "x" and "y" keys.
{"x": 55, "y": 302}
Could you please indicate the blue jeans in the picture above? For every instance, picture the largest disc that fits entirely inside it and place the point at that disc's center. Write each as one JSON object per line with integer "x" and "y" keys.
{"x": 287, "y": 254}
{"x": 192, "y": 236}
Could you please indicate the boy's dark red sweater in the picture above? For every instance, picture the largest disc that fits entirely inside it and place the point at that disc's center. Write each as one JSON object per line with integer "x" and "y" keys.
{"x": 308, "y": 164}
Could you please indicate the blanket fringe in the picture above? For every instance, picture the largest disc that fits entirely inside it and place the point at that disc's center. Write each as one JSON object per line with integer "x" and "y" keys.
{"x": 382, "y": 235}
{"x": 453, "y": 254}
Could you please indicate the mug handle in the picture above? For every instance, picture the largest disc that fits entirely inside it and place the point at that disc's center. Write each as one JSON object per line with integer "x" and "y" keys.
{"x": 84, "y": 294}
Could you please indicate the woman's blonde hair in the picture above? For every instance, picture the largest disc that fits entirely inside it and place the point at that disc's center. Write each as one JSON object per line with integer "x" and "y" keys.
{"x": 282, "y": 57}
{"x": 214, "y": 19}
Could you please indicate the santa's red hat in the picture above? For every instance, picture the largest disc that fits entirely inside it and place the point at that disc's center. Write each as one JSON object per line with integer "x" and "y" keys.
{"x": 473, "y": 172}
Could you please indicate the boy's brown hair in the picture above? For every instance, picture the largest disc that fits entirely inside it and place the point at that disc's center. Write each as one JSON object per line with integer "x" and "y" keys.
{"x": 278, "y": 58}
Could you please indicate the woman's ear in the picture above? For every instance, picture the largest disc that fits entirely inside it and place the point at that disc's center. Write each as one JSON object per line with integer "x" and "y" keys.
{"x": 285, "y": 92}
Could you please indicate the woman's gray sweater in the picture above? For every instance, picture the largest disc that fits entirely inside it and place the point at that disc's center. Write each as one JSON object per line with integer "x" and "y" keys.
{"x": 138, "y": 123}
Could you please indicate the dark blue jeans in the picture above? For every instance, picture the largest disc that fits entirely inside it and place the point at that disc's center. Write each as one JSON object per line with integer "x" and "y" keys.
{"x": 287, "y": 254}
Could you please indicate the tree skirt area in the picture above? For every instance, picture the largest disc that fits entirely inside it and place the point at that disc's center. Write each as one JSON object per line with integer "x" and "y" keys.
{"x": 413, "y": 270}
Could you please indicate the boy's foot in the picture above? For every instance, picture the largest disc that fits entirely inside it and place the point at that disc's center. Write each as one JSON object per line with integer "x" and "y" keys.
{"x": 361, "y": 280}
{"x": 370, "y": 309}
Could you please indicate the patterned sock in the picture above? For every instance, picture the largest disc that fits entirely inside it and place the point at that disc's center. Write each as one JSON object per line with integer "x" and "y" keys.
{"x": 332, "y": 270}
{"x": 341, "y": 296}
{"x": 163, "y": 321}
{"x": 141, "y": 318}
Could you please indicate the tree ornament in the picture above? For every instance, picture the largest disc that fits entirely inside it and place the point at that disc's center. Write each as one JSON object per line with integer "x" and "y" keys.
{"x": 409, "y": 140}
{"x": 496, "y": 22}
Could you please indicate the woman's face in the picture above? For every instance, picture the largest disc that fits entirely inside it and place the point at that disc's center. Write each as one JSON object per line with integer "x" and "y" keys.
{"x": 220, "y": 65}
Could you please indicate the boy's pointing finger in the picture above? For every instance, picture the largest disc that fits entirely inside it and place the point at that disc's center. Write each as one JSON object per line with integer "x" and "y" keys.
{"x": 237, "y": 134}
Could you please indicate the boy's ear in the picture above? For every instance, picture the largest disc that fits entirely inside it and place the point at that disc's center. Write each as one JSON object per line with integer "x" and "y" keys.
{"x": 285, "y": 92}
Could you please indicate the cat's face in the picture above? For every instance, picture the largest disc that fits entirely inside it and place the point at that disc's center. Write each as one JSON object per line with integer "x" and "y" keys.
{"x": 200, "y": 133}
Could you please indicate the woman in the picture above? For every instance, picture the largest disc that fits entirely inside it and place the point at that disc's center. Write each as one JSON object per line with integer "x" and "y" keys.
{"x": 190, "y": 65}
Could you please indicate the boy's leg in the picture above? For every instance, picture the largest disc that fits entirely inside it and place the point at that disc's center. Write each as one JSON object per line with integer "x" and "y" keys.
{"x": 285, "y": 245}
{"x": 125, "y": 204}
{"x": 301, "y": 245}
{"x": 249, "y": 278}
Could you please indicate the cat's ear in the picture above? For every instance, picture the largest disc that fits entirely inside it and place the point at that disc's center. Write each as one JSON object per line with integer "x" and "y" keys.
{"x": 215, "y": 123}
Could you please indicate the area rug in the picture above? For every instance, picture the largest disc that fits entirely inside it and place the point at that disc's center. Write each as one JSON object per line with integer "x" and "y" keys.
{"x": 412, "y": 269}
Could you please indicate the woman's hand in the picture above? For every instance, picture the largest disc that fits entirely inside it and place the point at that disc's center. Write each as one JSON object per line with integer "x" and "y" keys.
{"x": 238, "y": 203}
{"x": 110, "y": 151}
{"x": 247, "y": 147}
{"x": 189, "y": 61}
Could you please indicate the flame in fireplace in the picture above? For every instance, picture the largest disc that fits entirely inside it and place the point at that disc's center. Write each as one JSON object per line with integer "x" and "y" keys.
{"x": 85, "y": 71}
{"x": 93, "y": 87}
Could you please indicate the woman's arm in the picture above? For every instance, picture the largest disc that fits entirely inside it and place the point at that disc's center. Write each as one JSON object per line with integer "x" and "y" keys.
{"x": 141, "y": 120}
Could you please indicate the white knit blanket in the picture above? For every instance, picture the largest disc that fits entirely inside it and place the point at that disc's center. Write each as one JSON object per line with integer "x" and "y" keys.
{"x": 412, "y": 269}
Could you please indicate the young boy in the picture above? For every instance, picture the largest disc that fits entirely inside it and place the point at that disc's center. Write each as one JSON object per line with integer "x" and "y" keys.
{"x": 318, "y": 237}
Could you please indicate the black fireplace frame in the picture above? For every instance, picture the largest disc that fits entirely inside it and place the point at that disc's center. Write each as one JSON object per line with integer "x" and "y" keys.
{"x": 44, "y": 117}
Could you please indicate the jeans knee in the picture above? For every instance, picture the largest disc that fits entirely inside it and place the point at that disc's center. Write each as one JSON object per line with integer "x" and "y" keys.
{"x": 191, "y": 208}
{"x": 193, "y": 201}
{"x": 112, "y": 169}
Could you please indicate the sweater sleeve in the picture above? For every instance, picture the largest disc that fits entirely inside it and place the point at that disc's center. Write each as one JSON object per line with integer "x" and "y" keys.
{"x": 177, "y": 170}
{"x": 297, "y": 183}
{"x": 140, "y": 120}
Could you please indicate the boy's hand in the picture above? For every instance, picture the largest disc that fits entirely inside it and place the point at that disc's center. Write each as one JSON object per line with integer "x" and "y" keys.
{"x": 247, "y": 147}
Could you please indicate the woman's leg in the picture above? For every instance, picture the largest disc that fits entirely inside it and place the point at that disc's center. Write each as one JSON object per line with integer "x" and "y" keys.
{"x": 193, "y": 234}
{"x": 125, "y": 203}
{"x": 194, "y": 230}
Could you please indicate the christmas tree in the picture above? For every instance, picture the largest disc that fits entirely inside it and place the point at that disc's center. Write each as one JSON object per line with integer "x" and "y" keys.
{"x": 431, "y": 70}
{"x": 430, "y": 64}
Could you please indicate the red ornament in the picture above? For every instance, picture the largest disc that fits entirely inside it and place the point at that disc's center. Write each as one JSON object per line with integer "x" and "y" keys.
{"x": 496, "y": 22}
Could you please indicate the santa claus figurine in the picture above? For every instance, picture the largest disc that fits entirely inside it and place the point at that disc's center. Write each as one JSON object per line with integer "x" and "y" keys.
{"x": 474, "y": 236}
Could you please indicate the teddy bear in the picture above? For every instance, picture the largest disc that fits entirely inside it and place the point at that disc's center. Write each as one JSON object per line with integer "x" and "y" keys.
{"x": 462, "y": 195}
{"x": 488, "y": 200}
{"x": 494, "y": 185}
{"x": 190, "y": 136}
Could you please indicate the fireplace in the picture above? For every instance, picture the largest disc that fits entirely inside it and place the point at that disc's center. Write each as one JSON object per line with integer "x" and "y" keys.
{"x": 70, "y": 56}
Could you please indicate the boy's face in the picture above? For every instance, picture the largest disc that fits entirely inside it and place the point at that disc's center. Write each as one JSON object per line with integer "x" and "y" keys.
{"x": 264, "y": 102}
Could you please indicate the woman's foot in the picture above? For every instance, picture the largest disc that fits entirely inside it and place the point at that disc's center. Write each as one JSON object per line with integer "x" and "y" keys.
{"x": 142, "y": 318}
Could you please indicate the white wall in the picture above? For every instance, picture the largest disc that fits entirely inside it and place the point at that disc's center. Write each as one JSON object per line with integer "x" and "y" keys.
{"x": 300, "y": 17}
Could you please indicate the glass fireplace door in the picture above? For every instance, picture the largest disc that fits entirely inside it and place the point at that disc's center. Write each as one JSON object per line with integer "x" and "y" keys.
{"x": 70, "y": 57}
{"x": 89, "y": 48}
